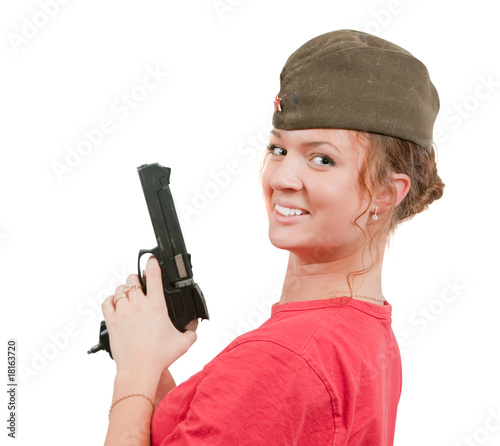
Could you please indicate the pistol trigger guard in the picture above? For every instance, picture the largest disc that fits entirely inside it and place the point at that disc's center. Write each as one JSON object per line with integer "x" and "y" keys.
{"x": 139, "y": 273}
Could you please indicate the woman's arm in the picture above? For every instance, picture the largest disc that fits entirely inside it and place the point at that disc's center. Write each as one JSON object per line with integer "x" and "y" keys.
{"x": 130, "y": 418}
{"x": 144, "y": 343}
{"x": 165, "y": 385}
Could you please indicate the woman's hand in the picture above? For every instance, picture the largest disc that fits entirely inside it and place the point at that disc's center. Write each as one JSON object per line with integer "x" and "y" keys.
{"x": 141, "y": 334}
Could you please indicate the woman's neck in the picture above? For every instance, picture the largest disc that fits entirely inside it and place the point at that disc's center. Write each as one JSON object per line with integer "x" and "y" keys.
{"x": 323, "y": 280}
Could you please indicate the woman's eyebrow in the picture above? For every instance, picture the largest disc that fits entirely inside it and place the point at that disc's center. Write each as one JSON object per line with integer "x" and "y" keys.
{"x": 276, "y": 133}
{"x": 321, "y": 143}
{"x": 309, "y": 143}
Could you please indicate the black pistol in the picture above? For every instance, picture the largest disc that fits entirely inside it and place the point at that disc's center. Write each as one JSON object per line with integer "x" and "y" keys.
{"x": 183, "y": 296}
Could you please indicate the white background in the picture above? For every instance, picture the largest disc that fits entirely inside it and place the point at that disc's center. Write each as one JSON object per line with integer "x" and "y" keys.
{"x": 66, "y": 240}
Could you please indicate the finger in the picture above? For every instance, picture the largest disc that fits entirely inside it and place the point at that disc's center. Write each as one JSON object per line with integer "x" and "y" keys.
{"x": 108, "y": 307}
{"x": 120, "y": 296}
{"x": 133, "y": 280}
{"x": 153, "y": 279}
{"x": 134, "y": 288}
{"x": 120, "y": 290}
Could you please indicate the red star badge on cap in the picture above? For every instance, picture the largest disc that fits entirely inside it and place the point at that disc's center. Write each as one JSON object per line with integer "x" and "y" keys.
{"x": 277, "y": 101}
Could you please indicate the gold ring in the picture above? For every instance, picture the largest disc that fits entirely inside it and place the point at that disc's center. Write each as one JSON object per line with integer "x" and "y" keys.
{"x": 117, "y": 298}
{"x": 132, "y": 288}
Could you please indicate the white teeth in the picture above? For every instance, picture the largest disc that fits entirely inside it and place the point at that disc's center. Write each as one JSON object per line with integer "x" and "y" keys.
{"x": 287, "y": 211}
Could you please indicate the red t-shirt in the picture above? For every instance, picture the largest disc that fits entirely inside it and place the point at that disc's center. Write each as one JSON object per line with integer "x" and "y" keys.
{"x": 316, "y": 373}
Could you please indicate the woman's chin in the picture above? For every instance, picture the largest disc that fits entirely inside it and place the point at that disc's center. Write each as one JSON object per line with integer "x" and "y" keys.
{"x": 286, "y": 244}
{"x": 281, "y": 244}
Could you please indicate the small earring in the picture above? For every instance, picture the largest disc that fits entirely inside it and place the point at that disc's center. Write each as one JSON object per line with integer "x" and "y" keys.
{"x": 375, "y": 216}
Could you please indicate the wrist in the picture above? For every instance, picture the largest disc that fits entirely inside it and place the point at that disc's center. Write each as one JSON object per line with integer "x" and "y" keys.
{"x": 132, "y": 395}
{"x": 140, "y": 381}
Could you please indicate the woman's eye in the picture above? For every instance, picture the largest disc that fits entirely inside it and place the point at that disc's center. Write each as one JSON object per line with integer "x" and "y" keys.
{"x": 275, "y": 150}
{"x": 323, "y": 160}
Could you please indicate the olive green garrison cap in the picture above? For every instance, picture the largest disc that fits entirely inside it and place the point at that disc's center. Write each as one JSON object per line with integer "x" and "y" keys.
{"x": 353, "y": 80}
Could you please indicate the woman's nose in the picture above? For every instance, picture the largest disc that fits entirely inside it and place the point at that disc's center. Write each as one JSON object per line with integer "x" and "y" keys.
{"x": 286, "y": 175}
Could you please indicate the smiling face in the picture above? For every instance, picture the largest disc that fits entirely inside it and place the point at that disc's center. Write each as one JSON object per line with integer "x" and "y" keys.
{"x": 310, "y": 185}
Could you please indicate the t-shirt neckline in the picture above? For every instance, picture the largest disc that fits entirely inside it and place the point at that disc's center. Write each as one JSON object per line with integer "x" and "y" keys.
{"x": 366, "y": 307}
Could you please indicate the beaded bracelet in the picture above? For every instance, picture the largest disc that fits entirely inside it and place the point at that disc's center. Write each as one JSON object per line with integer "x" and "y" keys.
{"x": 128, "y": 396}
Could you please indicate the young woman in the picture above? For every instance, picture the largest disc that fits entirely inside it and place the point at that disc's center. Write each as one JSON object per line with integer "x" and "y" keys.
{"x": 350, "y": 157}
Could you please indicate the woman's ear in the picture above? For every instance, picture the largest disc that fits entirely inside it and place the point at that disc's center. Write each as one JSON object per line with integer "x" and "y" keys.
{"x": 401, "y": 185}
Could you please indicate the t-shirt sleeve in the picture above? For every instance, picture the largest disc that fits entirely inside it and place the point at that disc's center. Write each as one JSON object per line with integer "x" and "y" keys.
{"x": 259, "y": 392}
